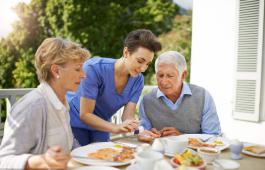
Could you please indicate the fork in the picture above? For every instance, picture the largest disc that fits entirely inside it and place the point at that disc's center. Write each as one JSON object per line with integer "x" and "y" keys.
{"x": 207, "y": 139}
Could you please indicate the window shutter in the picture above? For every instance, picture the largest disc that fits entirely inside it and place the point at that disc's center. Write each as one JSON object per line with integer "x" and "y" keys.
{"x": 249, "y": 51}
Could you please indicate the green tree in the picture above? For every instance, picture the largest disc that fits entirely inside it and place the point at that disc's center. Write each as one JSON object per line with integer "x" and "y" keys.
{"x": 24, "y": 72}
{"x": 7, "y": 57}
{"x": 103, "y": 29}
{"x": 19, "y": 46}
{"x": 179, "y": 38}
{"x": 99, "y": 25}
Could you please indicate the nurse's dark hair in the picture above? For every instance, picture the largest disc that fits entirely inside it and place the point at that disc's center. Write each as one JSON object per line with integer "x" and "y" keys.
{"x": 142, "y": 38}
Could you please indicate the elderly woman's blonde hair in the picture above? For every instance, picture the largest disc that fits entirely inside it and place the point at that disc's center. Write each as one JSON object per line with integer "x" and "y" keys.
{"x": 174, "y": 58}
{"x": 57, "y": 51}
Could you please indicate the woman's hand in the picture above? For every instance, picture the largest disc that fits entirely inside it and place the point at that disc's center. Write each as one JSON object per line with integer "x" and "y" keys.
{"x": 128, "y": 125}
{"x": 53, "y": 158}
{"x": 170, "y": 131}
{"x": 56, "y": 158}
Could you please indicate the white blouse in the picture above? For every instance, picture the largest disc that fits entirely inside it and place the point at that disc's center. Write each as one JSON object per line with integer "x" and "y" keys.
{"x": 58, "y": 120}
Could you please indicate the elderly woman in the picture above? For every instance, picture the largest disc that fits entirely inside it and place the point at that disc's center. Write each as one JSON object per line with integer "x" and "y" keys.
{"x": 37, "y": 132}
{"x": 176, "y": 107}
{"x": 109, "y": 85}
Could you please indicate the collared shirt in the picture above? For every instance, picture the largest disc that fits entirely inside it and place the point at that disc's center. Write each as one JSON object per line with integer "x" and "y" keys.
{"x": 210, "y": 122}
{"x": 58, "y": 119}
{"x": 36, "y": 122}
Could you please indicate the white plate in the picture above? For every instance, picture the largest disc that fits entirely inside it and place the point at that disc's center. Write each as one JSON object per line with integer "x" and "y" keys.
{"x": 169, "y": 154}
{"x": 206, "y": 136}
{"x": 85, "y": 150}
{"x": 251, "y": 153}
{"x": 96, "y": 168}
{"x": 220, "y": 147}
{"x": 134, "y": 166}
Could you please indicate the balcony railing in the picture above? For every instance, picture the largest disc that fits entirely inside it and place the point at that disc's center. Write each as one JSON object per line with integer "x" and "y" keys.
{"x": 12, "y": 95}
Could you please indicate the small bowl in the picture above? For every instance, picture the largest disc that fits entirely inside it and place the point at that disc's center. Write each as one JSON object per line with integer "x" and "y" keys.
{"x": 225, "y": 164}
{"x": 209, "y": 154}
{"x": 176, "y": 165}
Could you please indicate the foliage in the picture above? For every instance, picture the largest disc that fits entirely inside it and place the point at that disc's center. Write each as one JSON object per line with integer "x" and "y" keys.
{"x": 7, "y": 56}
{"x": 99, "y": 25}
{"x": 179, "y": 39}
{"x": 24, "y": 72}
{"x": 18, "y": 47}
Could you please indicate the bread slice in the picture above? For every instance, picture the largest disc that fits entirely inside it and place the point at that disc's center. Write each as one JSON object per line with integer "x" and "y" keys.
{"x": 255, "y": 149}
{"x": 110, "y": 154}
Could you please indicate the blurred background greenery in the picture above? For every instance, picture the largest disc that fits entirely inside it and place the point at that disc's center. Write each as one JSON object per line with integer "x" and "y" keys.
{"x": 99, "y": 25}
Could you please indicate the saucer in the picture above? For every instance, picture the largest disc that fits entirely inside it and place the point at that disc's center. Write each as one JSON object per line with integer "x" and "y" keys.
{"x": 134, "y": 166}
{"x": 169, "y": 154}
{"x": 226, "y": 164}
{"x": 96, "y": 168}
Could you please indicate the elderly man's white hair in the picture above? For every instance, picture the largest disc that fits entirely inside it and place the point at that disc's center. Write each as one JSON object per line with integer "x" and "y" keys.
{"x": 172, "y": 57}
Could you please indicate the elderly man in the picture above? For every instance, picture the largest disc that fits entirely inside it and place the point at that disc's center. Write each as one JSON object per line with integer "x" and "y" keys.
{"x": 176, "y": 107}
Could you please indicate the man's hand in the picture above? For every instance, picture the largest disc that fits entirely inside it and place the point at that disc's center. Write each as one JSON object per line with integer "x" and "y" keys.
{"x": 170, "y": 131}
{"x": 147, "y": 136}
{"x": 156, "y": 132}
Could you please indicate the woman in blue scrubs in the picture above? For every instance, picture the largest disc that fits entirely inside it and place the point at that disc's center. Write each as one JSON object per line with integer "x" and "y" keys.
{"x": 109, "y": 85}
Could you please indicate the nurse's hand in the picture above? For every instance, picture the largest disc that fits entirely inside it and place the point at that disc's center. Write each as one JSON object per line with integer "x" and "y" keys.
{"x": 128, "y": 125}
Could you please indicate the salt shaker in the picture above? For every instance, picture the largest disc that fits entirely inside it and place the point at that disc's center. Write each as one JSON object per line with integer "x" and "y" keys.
{"x": 236, "y": 148}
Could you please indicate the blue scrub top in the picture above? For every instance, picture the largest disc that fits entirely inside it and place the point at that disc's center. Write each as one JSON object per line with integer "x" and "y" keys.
{"x": 99, "y": 85}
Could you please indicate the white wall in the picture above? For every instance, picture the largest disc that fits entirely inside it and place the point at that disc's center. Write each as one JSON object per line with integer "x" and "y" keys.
{"x": 212, "y": 63}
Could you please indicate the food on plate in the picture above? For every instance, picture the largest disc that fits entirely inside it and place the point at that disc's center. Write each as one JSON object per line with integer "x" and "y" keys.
{"x": 187, "y": 158}
{"x": 105, "y": 154}
{"x": 208, "y": 151}
{"x": 143, "y": 137}
{"x": 111, "y": 154}
{"x": 196, "y": 143}
{"x": 255, "y": 149}
{"x": 218, "y": 143}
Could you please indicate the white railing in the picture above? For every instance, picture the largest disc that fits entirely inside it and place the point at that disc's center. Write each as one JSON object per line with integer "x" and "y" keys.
{"x": 12, "y": 95}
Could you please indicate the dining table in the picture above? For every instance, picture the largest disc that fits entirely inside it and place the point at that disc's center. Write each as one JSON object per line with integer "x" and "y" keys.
{"x": 247, "y": 162}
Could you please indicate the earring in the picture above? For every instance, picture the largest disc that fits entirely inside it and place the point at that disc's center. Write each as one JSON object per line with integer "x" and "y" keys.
{"x": 123, "y": 59}
{"x": 57, "y": 76}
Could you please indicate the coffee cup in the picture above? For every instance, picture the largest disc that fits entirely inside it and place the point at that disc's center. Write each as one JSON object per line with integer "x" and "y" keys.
{"x": 158, "y": 145}
{"x": 174, "y": 145}
{"x": 147, "y": 159}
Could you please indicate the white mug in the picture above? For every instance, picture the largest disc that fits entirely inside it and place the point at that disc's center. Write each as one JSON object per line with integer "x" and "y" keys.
{"x": 147, "y": 159}
{"x": 175, "y": 144}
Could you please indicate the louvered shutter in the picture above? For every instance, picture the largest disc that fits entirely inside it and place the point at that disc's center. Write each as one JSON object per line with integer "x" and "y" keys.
{"x": 249, "y": 51}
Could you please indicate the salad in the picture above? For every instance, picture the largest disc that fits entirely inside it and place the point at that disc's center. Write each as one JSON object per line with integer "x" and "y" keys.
{"x": 188, "y": 158}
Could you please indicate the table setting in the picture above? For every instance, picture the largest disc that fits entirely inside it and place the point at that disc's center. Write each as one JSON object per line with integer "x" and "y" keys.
{"x": 171, "y": 153}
